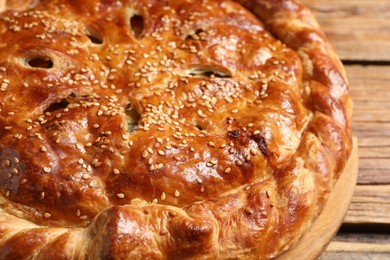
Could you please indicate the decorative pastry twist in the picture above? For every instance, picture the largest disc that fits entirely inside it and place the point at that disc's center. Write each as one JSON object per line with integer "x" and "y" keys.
{"x": 165, "y": 129}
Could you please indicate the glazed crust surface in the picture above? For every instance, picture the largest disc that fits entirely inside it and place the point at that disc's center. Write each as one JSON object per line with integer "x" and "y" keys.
{"x": 153, "y": 129}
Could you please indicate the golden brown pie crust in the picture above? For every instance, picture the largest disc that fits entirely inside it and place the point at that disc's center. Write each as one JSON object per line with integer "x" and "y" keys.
{"x": 154, "y": 129}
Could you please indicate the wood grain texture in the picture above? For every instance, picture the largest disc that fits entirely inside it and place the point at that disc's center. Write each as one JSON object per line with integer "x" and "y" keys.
{"x": 358, "y": 29}
{"x": 371, "y": 121}
{"x": 370, "y": 205}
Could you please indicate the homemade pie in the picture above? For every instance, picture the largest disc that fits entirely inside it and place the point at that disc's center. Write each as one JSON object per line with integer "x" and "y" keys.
{"x": 165, "y": 129}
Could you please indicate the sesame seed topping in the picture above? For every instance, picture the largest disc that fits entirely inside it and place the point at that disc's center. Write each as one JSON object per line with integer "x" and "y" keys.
{"x": 47, "y": 169}
{"x": 86, "y": 177}
{"x": 163, "y": 196}
{"x": 177, "y": 193}
{"x": 116, "y": 171}
{"x": 120, "y": 195}
{"x": 163, "y": 232}
{"x": 47, "y": 215}
{"x": 228, "y": 170}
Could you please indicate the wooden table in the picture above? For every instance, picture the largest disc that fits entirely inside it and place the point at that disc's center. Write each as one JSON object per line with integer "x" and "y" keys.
{"x": 360, "y": 32}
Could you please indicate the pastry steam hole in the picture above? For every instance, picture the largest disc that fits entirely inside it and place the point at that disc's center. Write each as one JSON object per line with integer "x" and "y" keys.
{"x": 40, "y": 62}
{"x": 137, "y": 25}
{"x": 209, "y": 72}
{"x": 94, "y": 35}
{"x": 199, "y": 127}
{"x": 57, "y": 106}
{"x": 132, "y": 118}
{"x": 198, "y": 35}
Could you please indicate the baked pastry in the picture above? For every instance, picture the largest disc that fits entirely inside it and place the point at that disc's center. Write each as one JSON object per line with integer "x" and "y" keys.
{"x": 165, "y": 129}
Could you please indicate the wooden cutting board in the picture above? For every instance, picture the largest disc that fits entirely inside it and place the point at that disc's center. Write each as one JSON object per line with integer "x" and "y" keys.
{"x": 315, "y": 241}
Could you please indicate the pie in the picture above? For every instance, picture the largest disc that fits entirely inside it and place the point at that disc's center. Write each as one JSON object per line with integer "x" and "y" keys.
{"x": 145, "y": 129}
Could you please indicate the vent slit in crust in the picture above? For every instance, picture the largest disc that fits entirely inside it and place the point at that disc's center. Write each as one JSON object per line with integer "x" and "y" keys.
{"x": 57, "y": 106}
{"x": 137, "y": 25}
{"x": 40, "y": 62}
{"x": 94, "y": 35}
{"x": 132, "y": 118}
{"x": 208, "y": 71}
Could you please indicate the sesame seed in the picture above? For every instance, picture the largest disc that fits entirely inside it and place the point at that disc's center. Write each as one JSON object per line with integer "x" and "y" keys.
{"x": 116, "y": 171}
{"x": 211, "y": 144}
{"x": 87, "y": 177}
{"x": 8, "y": 163}
{"x": 7, "y": 193}
{"x": 163, "y": 196}
{"x": 47, "y": 215}
{"x": 177, "y": 193}
{"x": 239, "y": 163}
{"x": 199, "y": 180}
{"x": 23, "y": 181}
{"x": 228, "y": 170}
{"x": 120, "y": 195}
{"x": 160, "y": 152}
{"x": 47, "y": 169}
{"x": 163, "y": 232}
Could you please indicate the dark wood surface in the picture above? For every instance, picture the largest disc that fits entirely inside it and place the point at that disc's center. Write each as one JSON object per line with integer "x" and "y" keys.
{"x": 360, "y": 32}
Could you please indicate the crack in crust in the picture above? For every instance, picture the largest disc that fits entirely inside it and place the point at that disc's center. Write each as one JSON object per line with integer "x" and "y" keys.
{"x": 165, "y": 129}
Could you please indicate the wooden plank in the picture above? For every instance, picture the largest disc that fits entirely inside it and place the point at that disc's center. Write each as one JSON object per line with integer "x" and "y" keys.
{"x": 358, "y": 246}
{"x": 358, "y": 29}
{"x": 374, "y": 171}
{"x": 362, "y": 238}
{"x": 370, "y": 205}
{"x": 371, "y": 121}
